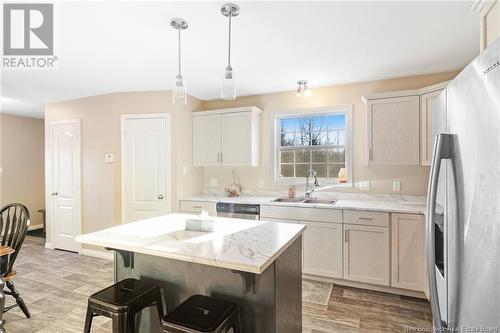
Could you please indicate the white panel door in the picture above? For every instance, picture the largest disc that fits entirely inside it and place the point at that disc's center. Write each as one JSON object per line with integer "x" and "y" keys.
{"x": 235, "y": 139}
{"x": 366, "y": 254}
{"x": 323, "y": 249}
{"x": 206, "y": 140}
{"x": 66, "y": 186}
{"x": 394, "y": 131}
{"x": 145, "y": 149}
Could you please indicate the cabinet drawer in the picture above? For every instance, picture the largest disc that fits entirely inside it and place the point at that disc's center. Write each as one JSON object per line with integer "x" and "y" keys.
{"x": 366, "y": 218}
{"x": 272, "y": 219}
{"x": 300, "y": 213}
{"x": 188, "y": 206}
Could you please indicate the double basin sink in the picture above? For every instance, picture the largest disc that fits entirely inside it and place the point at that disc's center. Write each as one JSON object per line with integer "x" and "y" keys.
{"x": 311, "y": 201}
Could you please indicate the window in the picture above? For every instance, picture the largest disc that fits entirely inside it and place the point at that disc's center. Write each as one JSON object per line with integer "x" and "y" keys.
{"x": 312, "y": 140}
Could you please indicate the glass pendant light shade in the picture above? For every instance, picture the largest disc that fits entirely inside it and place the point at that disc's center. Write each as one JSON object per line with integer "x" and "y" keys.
{"x": 228, "y": 85}
{"x": 179, "y": 95}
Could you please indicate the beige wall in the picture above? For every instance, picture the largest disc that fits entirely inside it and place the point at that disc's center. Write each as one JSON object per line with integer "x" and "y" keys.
{"x": 22, "y": 161}
{"x": 413, "y": 179}
{"x": 100, "y": 121}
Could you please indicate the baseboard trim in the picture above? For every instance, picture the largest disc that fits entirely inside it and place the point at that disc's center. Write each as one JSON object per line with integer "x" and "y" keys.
{"x": 35, "y": 227}
{"x": 49, "y": 246}
{"x": 97, "y": 254}
{"x": 368, "y": 286}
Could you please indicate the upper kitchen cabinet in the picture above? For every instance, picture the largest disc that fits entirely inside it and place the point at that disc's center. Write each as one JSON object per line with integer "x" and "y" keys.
{"x": 490, "y": 23}
{"x": 393, "y": 129}
{"x": 433, "y": 118}
{"x": 226, "y": 137}
{"x": 402, "y": 125}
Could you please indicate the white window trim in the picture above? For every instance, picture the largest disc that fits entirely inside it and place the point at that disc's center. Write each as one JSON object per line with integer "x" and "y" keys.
{"x": 275, "y": 139}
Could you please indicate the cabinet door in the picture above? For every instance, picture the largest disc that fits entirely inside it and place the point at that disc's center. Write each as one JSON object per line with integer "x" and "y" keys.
{"x": 206, "y": 140}
{"x": 490, "y": 23}
{"x": 433, "y": 122}
{"x": 323, "y": 249}
{"x": 393, "y": 131}
{"x": 366, "y": 254}
{"x": 408, "y": 251}
{"x": 236, "y": 139}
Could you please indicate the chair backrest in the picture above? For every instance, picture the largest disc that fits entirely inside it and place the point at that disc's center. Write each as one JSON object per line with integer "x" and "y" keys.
{"x": 14, "y": 223}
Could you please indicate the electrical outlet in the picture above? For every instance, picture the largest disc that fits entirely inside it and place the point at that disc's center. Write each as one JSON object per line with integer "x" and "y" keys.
{"x": 213, "y": 182}
{"x": 396, "y": 186}
{"x": 364, "y": 185}
{"x": 184, "y": 170}
{"x": 260, "y": 183}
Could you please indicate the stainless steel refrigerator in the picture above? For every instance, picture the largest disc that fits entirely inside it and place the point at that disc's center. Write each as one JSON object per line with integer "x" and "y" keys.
{"x": 463, "y": 209}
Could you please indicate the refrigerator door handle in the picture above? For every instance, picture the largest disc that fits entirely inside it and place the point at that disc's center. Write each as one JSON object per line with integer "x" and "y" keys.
{"x": 441, "y": 151}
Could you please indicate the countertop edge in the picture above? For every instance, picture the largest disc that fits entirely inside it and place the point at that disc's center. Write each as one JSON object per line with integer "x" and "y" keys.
{"x": 420, "y": 209}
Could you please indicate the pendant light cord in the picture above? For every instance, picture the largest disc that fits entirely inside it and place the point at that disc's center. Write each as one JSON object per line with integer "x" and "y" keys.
{"x": 179, "y": 52}
{"x": 229, "y": 53}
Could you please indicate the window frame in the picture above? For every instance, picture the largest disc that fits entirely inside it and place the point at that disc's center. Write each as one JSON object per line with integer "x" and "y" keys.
{"x": 276, "y": 116}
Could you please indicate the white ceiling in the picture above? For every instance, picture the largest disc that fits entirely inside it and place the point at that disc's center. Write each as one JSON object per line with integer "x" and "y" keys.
{"x": 129, "y": 46}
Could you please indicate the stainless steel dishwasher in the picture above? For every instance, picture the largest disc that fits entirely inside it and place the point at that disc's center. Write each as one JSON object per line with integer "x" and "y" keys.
{"x": 238, "y": 211}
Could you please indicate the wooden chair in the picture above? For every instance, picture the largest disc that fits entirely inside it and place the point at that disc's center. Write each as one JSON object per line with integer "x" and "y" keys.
{"x": 14, "y": 223}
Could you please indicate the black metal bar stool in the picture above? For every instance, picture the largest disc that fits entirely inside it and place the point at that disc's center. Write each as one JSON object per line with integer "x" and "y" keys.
{"x": 203, "y": 314}
{"x": 121, "y": 302}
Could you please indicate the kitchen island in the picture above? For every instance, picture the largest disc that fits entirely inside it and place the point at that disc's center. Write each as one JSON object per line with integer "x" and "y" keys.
{"x": 256, "y": 264}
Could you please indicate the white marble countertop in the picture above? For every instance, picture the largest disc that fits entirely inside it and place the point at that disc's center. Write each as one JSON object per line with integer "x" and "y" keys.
{"x": 407, "y": 204}
{"x": 243, "y": 245}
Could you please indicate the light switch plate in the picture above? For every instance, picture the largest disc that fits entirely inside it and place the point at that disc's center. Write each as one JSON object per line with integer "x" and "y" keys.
{"x": 213, "y": 182}
{"x": 396, "y": 186}
{"x": 260, "y": 183}
{"x": 184, "y": 170}
{"x": 109, "y": 158}
{"x": 364, "y": 185}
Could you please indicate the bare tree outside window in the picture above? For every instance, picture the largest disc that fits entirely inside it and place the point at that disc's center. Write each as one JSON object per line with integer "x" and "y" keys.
{"x": 316, "y": 142}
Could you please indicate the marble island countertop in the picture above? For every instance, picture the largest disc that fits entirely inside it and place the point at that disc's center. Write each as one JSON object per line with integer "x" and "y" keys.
{"x": 243, "y": 245}
{"x": 407, "y": 204}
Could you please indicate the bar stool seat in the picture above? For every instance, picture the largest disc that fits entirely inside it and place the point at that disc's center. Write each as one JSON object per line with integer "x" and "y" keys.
{"x": 121, "y": 302}
{"x": 203, "y": 314}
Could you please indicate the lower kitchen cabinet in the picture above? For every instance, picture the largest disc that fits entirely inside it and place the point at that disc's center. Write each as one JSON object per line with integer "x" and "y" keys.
{"x": 366, "y": 254}
{"x": 408, "y": 252}
{"x": 323, "y": 249}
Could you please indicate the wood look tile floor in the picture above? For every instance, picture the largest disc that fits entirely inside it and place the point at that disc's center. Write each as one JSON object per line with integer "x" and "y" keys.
{"x": 56, "y": 284}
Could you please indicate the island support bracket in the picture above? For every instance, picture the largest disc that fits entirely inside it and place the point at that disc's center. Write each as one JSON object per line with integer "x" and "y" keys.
{"x": 127, "y": 256}
{"x": 250, "y": 281}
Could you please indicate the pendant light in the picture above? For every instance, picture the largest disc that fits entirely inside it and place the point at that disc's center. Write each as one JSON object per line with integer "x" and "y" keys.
{"x": 179, "y": 95}
{"x": 228, "y": 91}
{"x": 302, "y": 89}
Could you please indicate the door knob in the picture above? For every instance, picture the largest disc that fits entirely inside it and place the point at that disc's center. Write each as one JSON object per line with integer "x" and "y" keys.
{"x": 160, "y": 196}
{"x": 54, "y": 193}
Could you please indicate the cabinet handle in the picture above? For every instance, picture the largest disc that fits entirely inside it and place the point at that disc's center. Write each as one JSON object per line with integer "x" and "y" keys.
{"x": 197, "y": 207}
{"x": 366, "y": 218}
{"x": 161, "y": 196}
{"x": 54, "y": 193}
{"x": 218, "y": 157}
{"x": 221, "y": 159}
{"x": 346, "y": 236}
{"x": 370, "y": 154}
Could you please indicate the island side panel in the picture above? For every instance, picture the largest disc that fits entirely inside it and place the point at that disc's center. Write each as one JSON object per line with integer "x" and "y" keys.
{"x": 288, "y": 275}
{"x": 182, "y": 279}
